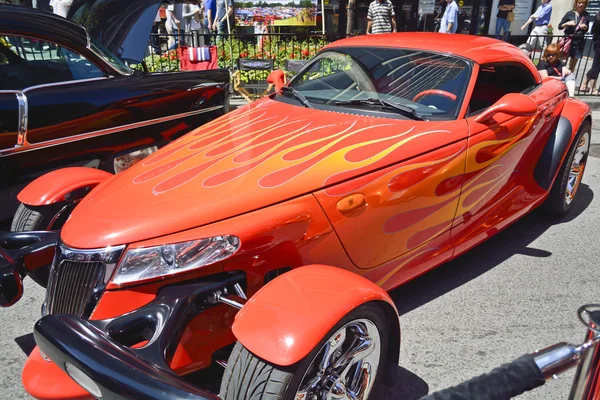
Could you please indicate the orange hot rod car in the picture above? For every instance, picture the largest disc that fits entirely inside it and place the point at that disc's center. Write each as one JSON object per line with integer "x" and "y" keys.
{"x": 378, "y": 161}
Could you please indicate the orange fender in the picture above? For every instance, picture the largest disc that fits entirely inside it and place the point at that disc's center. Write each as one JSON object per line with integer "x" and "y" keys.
{"x": 576, "y": 112}
{"x": 44, "y": 380}
{"x": 52, "y": 187}
{"x": 287, "y": 318}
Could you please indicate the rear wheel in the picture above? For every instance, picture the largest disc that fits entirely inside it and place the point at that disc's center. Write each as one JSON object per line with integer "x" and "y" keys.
{"x": 569, "y": 177}
{"x": 345, "y": 365}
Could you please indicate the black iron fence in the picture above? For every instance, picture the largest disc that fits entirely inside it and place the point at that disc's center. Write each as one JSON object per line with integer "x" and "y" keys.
{"x": 282, "y": 48}
{"x": 164, "y": 51}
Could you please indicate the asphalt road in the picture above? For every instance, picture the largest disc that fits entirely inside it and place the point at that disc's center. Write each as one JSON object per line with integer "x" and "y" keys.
{"x": 515, "y": 293}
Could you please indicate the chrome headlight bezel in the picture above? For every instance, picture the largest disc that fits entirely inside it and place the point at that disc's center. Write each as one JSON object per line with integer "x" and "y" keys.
{"x": 146, "y": 263}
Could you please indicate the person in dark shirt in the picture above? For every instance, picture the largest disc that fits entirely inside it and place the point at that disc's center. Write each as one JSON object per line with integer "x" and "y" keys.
{"x": 592, "y": 74}
{"x": 575, "y": 23}
{"x": 502, "y": 22}
{"x": 551, "y": 65}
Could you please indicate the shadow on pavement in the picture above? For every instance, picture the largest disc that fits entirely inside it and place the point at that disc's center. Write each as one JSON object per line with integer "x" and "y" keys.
{"x": 513, "y": 240}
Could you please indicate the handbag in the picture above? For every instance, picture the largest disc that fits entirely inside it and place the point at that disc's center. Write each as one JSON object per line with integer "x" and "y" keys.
{"x": 510, "y": 16}
{"x": 565, "y": 42}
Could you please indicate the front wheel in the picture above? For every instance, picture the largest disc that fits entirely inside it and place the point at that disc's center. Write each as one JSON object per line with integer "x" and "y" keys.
{"x": 345, "y": 365}
{"x": 41, "y": 218}
{"x": 569, "y": 177}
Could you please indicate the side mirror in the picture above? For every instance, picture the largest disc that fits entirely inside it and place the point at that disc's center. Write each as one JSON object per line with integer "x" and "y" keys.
{"x": 516, "y": 104}
{"x": 277, "y": 78}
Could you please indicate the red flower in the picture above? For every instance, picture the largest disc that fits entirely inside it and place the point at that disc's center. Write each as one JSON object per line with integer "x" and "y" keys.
{"x": 292, "y": 56}
{"x": 305, "y": 53}
{"x": 244, "y": 54}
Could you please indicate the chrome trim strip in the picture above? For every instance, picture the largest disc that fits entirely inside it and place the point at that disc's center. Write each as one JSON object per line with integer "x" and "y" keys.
{"x": 207, "y": 85}
{"x": 53, "y": 84}
{"x": 102, "y": 132}
{"x": 110, "y": 256}
{"x": 23, "y": 119}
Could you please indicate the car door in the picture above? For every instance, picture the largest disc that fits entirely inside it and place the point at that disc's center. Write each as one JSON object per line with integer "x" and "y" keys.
{"x": 502, "y": 152}
{"x": 11, "y": 123}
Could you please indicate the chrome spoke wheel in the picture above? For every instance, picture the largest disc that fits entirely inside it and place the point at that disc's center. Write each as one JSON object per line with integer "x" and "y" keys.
{"x": 346, "y": 366}
{"x": 577, "y": 167}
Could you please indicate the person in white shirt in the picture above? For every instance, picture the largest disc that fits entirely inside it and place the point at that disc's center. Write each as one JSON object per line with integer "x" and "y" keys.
{"x": 61, "y": 7}
{"x": 449, "y": 22}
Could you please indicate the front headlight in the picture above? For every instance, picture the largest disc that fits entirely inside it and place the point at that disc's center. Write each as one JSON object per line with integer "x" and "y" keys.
{"x": 152, "y": 262}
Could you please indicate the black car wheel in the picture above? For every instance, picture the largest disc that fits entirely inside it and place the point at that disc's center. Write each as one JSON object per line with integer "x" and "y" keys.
{"x": 42, "y": 218}
{"x": 346, "y": 364}
{"x": 569, "y": 177}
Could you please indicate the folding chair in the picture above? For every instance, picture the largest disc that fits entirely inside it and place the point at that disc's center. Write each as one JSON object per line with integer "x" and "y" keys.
{"x": 257, "y": 71}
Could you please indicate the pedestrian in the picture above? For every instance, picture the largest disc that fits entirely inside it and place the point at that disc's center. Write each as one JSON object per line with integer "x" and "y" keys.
{"x": 540, "y": 31}
{"x": 575, "y": 25}
{"x": 192, "y": 15}
{"x": 504, "y": 17}
{"x": 154, "y": 41}
{"x": 381, "y": 17}
{"x": 174, "y": 16}
{"x": 551, "y": 65}
{"x": 449, "y": 22}
{"x": 224, "y": 20}
{"x": 210, "y": 11}
{"x": 592, "y": 75}
{"x": 61, "y": 7}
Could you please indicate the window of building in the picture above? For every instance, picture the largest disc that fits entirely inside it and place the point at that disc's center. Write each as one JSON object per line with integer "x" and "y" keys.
{"x": 26, "y": 62}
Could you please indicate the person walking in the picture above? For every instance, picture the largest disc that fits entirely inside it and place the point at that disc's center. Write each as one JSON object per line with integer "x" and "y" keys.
{"x": 224, "y": 20}
{"x": 61, "y": 7}
{"x": 172, "y": 26}
{"x": 210, "y": 11}
{"x": 592, "y": 75}
{"x": 381, "y": 17}
{"x": 504, "y": 17}
{"x": 575, "y": 25}
{"x": 540, "y": 31}
{"x": 449, "y": 22}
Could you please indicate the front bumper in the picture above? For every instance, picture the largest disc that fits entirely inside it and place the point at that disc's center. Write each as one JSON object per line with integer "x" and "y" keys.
{"x": 100, "y": 349}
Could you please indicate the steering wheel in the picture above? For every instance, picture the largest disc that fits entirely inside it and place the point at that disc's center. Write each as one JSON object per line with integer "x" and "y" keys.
{"x": 436, "y": 92}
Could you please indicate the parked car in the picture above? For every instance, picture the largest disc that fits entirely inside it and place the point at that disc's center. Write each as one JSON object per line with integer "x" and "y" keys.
{"x": 377, "y": 162}
{"x": 69, "y": 98}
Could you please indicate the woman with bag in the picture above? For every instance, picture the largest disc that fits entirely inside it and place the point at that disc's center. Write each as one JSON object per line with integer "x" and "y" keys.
{"x": 575, "y": 25}
{"x": 504, "y": 17}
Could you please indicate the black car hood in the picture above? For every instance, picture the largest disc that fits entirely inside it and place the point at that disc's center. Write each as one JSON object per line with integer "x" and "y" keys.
{"x": 121, "y": 26}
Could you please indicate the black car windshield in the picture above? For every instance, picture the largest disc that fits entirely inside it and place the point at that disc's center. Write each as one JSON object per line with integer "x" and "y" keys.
{"x": 430, "y": 85}
{"x": 110, "y": 58}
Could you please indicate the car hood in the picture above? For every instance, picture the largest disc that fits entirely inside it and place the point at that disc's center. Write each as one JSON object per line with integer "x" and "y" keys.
{"x": 121, "y": 26}
{"x": 256, "y": 156}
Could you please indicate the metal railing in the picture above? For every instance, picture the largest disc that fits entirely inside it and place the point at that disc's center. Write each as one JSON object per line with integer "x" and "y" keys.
{"x": 282, "y": 47}
{"x": 278, "y": 47}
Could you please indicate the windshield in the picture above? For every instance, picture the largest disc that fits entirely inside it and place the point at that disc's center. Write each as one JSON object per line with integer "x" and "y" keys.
{"x": 431, "y": 84}
{"x": 110, "y": 58}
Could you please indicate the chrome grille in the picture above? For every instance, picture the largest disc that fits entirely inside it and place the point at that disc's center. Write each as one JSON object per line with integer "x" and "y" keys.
{"x": 73, "y": 285}
{"x": 78, "y": 279}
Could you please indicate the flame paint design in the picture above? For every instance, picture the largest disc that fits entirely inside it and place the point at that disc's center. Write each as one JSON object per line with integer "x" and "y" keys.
{"x": 417, "y": 201}
{"x": 278, "y": 149}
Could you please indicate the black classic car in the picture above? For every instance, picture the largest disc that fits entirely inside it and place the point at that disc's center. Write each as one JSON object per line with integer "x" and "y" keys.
{"x": 69, "y": 98}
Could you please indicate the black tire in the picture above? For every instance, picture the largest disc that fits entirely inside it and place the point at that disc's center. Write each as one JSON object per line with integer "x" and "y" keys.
{"x": 28, "y": 219}
{"x": 556, "y": 203}
{"x": 248, "y": 377}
